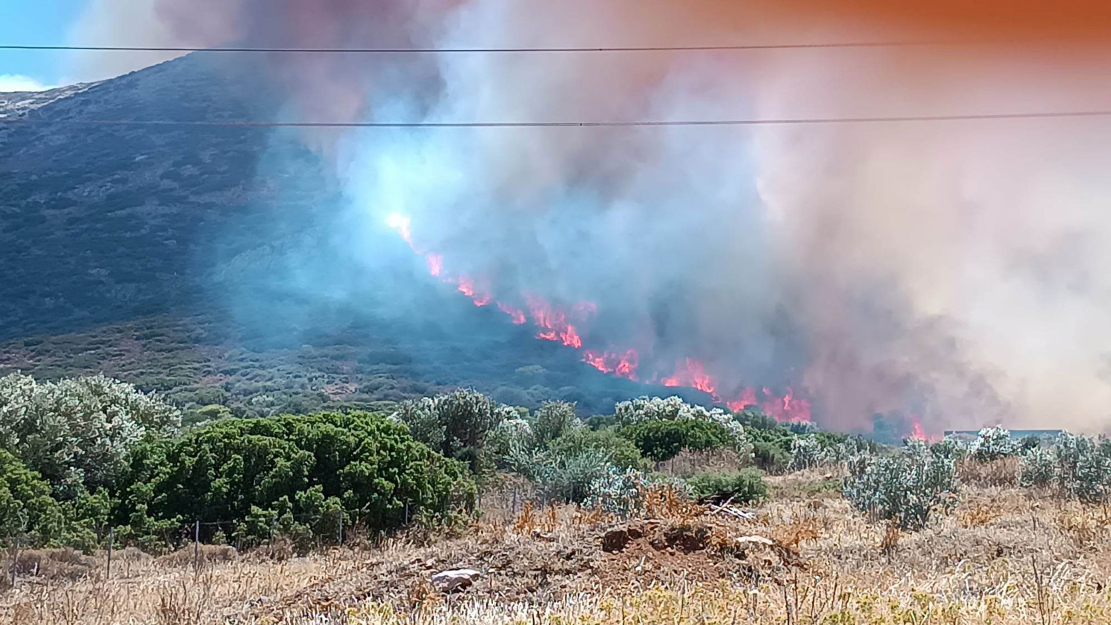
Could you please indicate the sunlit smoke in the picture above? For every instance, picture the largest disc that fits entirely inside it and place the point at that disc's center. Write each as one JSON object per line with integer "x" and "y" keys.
{"x": 955, "y": 271}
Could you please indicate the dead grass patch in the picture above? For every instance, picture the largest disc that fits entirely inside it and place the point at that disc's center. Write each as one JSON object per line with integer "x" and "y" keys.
{"x": 1004, "y": 472}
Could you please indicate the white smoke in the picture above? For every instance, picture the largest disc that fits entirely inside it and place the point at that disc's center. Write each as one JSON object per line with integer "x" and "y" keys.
{"x": 952, "y": 270}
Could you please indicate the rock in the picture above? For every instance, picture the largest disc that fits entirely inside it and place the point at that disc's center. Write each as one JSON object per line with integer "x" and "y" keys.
{"x": 615, "y": 540}
{"x": 756, "y": 540}
{"x": 684, "y": 537}
{"x": 457, "y": 579}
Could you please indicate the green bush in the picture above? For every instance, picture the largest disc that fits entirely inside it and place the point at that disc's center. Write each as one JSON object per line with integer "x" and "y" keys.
{"x": 992, "y": 444}
{"x": 1039, "y": 467}
{"x": 552, "y": 420}
{"x": 562, "y": 477}
{"x": 296, "y": 469}
{"x": 620, "y": 451}
{"x": 26, "y": 508}
{"x": 769, "y": 457}
{"x": 455, "y": 424}
{"x": 744, "y": 486}
{"x": 756, "y": 420}
{"x": 662, "y": 440}
{"x": 951, "y": 448}
{"x": 77, "y": 433}
{"x": 779, "y": 437}
{"x": 905, "y": 487}
{"x": 1083, "y": 467}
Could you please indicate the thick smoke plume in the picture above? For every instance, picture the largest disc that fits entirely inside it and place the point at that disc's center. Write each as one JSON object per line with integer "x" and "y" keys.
{"x": 951, "y": 271}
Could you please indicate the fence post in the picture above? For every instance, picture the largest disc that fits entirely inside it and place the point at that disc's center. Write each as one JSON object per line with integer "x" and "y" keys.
{"x": 111, "y": 539}
{"x": 15, "y": 558}
{"x": 197, "y": 547}
{"x": 406, "y": 511}
{"x": 341, "y": 527}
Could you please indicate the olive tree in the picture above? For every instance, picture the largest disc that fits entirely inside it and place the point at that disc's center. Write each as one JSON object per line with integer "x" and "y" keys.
{"x": 77, "y": 433}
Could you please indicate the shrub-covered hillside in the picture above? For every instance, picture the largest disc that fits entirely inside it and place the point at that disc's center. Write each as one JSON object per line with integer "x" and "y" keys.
{"x": 84, "y": 456}
{"x": 201, "y": 263}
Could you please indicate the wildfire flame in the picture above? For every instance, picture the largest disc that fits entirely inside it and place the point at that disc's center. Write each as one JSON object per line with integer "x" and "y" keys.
{"x": 918, "y": 433}
{"x": 691, "y": 373}
{"x": 435, "y": 264}
{"x": 622, "y": 365}
{"x": 553, "y": 324}
{"x": 516, "y": 315}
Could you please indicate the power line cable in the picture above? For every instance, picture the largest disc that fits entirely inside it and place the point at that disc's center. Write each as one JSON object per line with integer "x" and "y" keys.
{"x": 573, "y": 124}
{"x": 525, "y": 50}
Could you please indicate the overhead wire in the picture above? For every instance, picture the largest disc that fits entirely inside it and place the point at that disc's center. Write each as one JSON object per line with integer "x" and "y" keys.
{"x": 881, "y": 119}
{"x": 571, "y": 124}
{"x": 508, "y": 50}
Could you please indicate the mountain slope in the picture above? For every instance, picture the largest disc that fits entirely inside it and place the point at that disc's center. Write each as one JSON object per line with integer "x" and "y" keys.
{"x": 179, "y": 258}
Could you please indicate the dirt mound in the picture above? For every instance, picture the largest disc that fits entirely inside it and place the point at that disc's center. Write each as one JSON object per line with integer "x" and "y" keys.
{"x": 540, "y": 567}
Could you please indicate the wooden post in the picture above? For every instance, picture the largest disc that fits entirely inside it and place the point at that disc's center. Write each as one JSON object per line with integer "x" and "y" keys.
{"x": 111, "y": 539}
{"x": 341, "y": 527}
{"x": 197, "y": 546}
{"x": 15, "y": 558}
{"x": 406, "y": 511}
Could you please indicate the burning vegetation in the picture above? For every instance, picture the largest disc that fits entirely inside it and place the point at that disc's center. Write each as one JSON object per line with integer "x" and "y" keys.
{"x": 566, "y": 325}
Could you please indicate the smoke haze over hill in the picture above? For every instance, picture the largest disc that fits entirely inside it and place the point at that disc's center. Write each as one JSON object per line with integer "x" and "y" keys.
{"x": 948, "y": 270}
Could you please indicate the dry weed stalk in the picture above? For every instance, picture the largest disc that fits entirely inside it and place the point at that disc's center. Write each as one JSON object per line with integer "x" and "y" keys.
{"x": 979, "y": 514}
{"x": 526, "y": 521}
{"x": 890, "y": 540}
{"x": 662, "y": 501}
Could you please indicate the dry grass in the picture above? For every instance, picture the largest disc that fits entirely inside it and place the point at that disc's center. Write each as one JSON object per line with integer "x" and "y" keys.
{"x": 688, "y": 463}
{"x": 1003, "y": 557}
{"x": 1001, "y": 472}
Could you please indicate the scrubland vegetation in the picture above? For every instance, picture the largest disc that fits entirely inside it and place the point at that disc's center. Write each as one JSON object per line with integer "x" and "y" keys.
{"x": 660, "y": 512}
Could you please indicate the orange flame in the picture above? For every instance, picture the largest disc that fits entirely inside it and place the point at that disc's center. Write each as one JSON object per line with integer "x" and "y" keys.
{"x": 692, "y": 373}
{"x": 747, "y": 398}
{"x": 621, "y": 365}
{"x": 786, "y": 408}
{"x": 515, "y": 314}
{"x": 435, "y": 263}
{"x": 918, "y": 433}
{"x": 553, "y": 325}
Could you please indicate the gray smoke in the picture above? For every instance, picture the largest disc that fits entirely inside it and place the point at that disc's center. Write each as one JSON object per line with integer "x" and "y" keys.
{"x": 949, "y": 270}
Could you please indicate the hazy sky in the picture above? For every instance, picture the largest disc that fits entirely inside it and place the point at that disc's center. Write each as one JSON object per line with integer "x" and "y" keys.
{"x": 36, "y": 22}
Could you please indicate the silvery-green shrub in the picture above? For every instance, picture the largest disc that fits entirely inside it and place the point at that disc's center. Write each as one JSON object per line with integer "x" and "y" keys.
{"x": 1039, "y": 467}
{"x": 560, "y": 477}
{"x": 510, "y": 436}
{"x": 1083, "y": 467}
{"x": 453, "y": 423}
{"x": 806, "y": 452}
{"x": 905, "y": 487}
{"x": 552, "y": 420}
{"x": 951, "y": 448}
{"x": 621, "y": 492}
{"x": 655, "y": 408}
{"x": 77, "y": 433}
{"x": 992, "y": 444}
